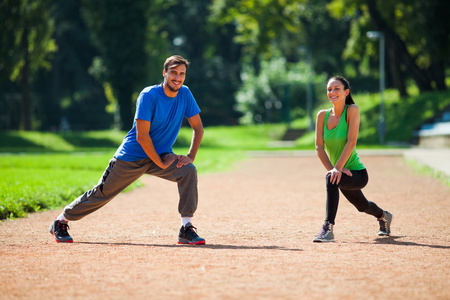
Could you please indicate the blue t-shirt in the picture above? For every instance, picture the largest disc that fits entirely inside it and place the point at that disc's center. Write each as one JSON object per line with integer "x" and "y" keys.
{"x": 165, "y": 115}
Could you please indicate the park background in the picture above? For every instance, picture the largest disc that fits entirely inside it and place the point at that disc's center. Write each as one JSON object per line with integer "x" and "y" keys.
{"x": 70, "y": 73}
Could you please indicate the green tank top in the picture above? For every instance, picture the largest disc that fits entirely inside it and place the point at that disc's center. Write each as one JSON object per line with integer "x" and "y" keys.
{"x": 335, "y": 140}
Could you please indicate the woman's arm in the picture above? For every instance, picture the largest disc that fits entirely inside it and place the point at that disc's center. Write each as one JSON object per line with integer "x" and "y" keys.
{"x": 320, "y": 145}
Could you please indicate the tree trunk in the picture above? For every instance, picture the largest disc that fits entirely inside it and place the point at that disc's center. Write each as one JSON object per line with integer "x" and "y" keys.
{"x": 396, "y": 73}
{"x": 26, "y": 109}
{"x": 394, "y": 41}
{"x": 438, "y": 74}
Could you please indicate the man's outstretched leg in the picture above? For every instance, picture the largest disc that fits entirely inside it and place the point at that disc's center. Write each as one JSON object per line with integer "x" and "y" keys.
{"x": 117, "y": 176}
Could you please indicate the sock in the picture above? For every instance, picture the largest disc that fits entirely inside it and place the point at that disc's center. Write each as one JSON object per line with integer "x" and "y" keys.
{"x": 62, "y": 218}
{"x": 185, "y": 220}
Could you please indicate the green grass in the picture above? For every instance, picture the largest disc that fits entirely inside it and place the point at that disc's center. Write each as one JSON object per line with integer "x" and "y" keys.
{"x": 234, "y": 137}
{"x": 403, "y": 115}
{"x": 29, "y": 190}
{"x": 47, "y": 170}
{"x": 425, "y": 170}
{"x": 19, "y": 141}
{"x": 33, "y": 182}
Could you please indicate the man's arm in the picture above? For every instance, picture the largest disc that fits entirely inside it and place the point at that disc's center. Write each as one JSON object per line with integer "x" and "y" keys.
{"x": 144, "y": 139}
{"x": 197, "y": 135}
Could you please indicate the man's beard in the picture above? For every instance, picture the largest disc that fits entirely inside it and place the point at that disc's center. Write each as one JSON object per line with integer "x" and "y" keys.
{"x": 172, "y": 88}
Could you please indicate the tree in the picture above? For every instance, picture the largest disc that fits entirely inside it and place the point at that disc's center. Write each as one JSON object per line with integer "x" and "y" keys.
{"x": 417, "y": 36}
{"x": 119, "y": 32}
{"x": 393, "y": 40}
{"x": 275, "y": 36}
{"x": 26, "y": 31}
{"x": 317, "y": 26}
{"x": 69, "y": 90}
{"x": 258, "y": 23}
{"x": 213, "y": 75}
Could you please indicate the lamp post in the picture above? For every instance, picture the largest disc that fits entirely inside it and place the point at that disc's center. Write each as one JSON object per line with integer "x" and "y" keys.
{"x": 381, "y": 125}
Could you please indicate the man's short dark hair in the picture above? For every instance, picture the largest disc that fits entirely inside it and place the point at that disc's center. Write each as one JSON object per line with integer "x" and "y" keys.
{"x": 175, "y": 61}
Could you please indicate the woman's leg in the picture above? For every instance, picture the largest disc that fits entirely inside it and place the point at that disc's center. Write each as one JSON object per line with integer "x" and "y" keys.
{"x": 332, "y": 200}
{"x": 351, "y": 186}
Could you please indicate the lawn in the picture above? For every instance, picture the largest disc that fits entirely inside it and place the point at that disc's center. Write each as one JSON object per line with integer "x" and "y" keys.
{"x": 48, "y": 170}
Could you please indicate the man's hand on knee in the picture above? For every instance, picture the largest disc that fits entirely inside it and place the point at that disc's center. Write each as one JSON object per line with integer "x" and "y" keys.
{"x": 183, "y": 160}
{"x": 168, "y": 159}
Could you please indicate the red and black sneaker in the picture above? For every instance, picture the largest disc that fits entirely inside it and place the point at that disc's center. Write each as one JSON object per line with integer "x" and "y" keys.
{"x": 59, "y": 230}
{"x": 188, "y": 235}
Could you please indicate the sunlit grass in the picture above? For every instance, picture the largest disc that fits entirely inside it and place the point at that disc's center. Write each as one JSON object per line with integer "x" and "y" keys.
{"x": 31, "y": 189}
{"x": 64, "y": 166}
{"x": 33, "y": 182}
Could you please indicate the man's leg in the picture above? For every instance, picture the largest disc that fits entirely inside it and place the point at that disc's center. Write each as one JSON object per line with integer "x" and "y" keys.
{"x": 187, "y": 180}
{"x": 117, "y": 176}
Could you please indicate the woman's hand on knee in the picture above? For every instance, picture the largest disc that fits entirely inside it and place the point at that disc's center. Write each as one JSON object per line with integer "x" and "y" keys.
{"x": 347, "y": 172}
{"x": 336, "y": 175}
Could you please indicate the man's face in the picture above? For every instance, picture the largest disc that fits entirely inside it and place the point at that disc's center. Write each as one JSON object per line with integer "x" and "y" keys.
{"x": 174, "y": 77}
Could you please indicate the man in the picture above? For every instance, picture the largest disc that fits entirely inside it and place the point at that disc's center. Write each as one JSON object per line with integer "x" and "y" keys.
{"x": 147, "y": 149}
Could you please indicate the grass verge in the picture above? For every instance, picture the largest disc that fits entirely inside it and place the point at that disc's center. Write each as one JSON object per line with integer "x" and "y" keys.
{"x": 427, "y": 171}
{"x": 49, "y": 170}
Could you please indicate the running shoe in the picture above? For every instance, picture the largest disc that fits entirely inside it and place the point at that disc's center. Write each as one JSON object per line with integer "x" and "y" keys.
{"x": 385, "y": 224}
{"x": 59, "y": 230}
{"x": 326, "y": 234}
{"x": 188, "y": 235}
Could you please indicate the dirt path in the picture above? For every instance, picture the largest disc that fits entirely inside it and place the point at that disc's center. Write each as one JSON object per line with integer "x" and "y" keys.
{"x": 258, "y": 221}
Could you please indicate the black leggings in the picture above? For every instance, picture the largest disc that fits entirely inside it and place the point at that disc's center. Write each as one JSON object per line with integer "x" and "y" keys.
{"x": 351, "y": 188}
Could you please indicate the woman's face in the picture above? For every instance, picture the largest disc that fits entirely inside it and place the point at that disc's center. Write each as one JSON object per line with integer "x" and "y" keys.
{"x": 336, "y": 91}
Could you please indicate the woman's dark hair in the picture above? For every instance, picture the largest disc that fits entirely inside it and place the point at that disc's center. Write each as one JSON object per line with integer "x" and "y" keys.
{"x": 346, "y": 84}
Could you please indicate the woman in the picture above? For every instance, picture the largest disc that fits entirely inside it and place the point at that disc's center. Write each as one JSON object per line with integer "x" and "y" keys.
{"x": 337, "y": 132}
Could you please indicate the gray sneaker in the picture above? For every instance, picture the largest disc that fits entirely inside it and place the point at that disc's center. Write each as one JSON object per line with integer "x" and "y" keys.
{"x": 326, "y": 234}
{"x": 385, "y": 224}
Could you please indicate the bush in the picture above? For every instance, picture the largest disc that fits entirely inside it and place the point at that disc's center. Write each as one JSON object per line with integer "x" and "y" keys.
{"x": 275, "y": 94}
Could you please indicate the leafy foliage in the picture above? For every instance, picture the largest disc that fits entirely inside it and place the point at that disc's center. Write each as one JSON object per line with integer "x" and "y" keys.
{"x": 87, "y": 60}
{"x": 29, "y": 22}
{"x": 26, "y": 48}
{"x": 276, "y": 94}
{"x": 119, "y": 32}
{"x": 258, "y": 21}
{"x": 416, "y": 33}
